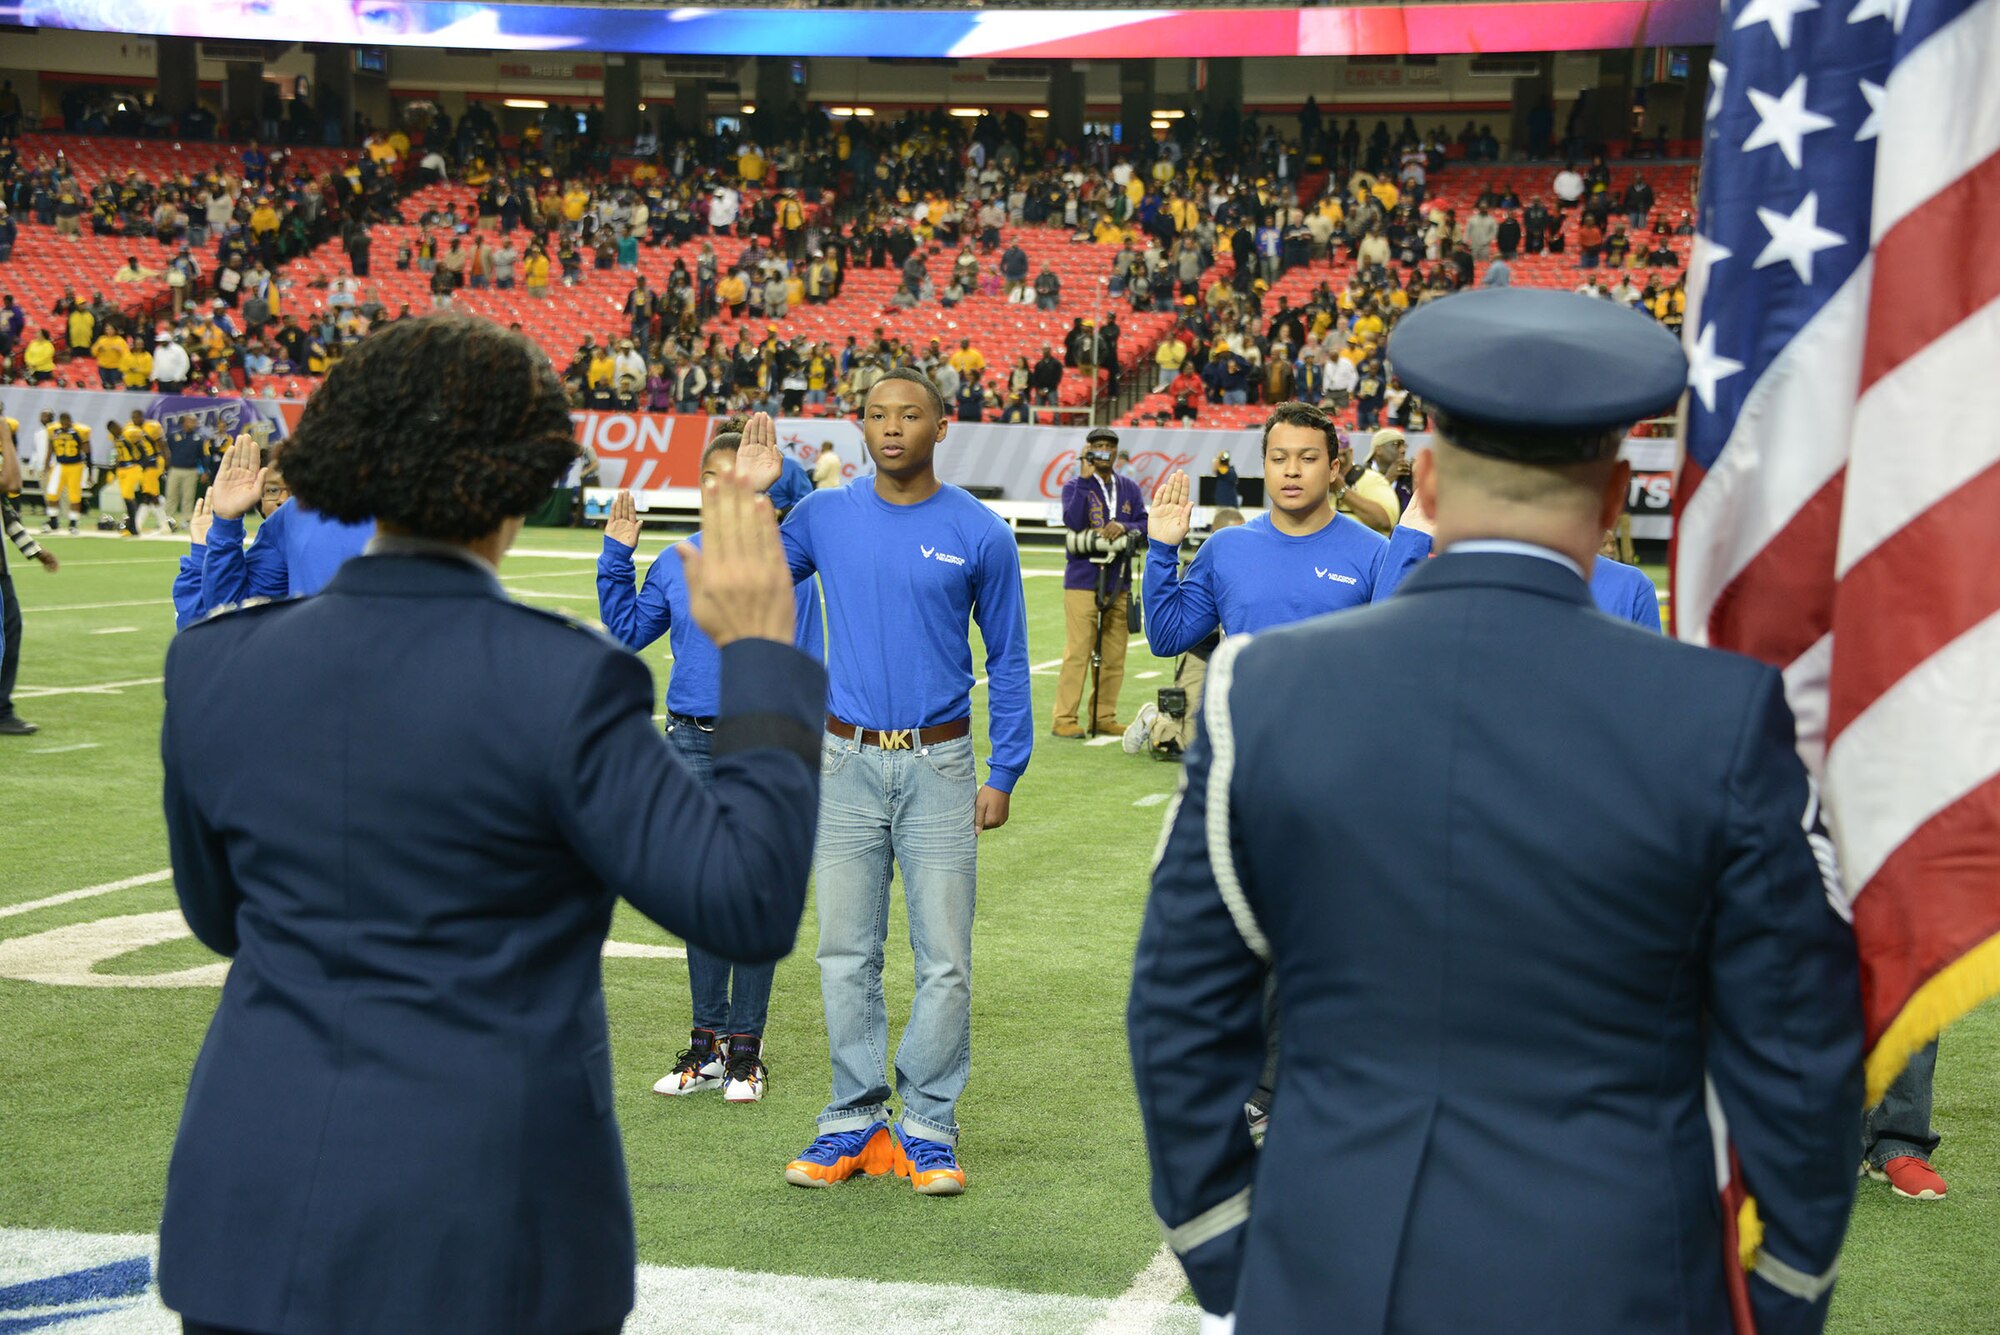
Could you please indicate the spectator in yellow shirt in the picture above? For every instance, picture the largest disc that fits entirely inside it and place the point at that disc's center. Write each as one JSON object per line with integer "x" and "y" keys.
{"x": 39, "y": 357}
{"x": 110, "y": 350}
{"x": 597, "y": 376}
{"x": 967, "y": 359}
{"x": 574, "y": 201}
{"x": 82, "y": 328}
{"x": 750, "y": 166}
{"x": 1170, "y": 357}
{"x": 734, "y": 294}
{"x": 138, "y": 368}
{"x": 535, "y": 273}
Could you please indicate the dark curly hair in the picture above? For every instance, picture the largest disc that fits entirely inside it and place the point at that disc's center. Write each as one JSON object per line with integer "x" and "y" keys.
{"x": 443, "y": 426}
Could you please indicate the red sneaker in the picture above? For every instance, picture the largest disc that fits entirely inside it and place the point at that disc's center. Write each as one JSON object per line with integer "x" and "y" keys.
{"x": 1911, "y": 1178}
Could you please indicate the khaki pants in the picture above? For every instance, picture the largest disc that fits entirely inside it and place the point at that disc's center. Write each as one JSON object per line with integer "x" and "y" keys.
{"x": 182, "y": 483}
{"x": 1191, "y": 676}
{"x": 1080, "y": 622}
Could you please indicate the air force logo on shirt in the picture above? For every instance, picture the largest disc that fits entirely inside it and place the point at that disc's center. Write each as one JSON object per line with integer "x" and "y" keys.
{"x": 933, "y": 554}
{"x": 1334, "y": 575}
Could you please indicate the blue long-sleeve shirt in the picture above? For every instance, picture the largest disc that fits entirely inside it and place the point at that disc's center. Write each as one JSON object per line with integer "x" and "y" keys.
{"x": 903, "y": 583}
{"x": 188, "y": 605}
{"x": 1253, "y": 577}
{"x": 238, "y": 571}
{"x": 637, "y": 617}
{"x": 1621, "y": 591}
{"x": 300, "y": 550}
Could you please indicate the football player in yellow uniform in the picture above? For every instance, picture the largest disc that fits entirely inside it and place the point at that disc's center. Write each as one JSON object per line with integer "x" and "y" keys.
{"x": 128, "y": 452}
{"x": 152, "y": 491}
{"x": 68, "y": 471}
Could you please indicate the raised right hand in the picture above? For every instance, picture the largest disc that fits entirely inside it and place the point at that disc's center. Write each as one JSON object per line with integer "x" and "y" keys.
{"x": 758, "y": 461}
{"x": 199, "y": 521}
{"x": 1172, "y": 511}
{"x": 239, "y": 483}
{"x": 622, "y": 524}
{"x": 739, "y": 586}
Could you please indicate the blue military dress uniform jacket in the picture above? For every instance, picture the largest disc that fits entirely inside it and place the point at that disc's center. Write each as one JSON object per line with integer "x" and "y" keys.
{"x": 1515, "y": 908}
{"x": 406, "y": 808}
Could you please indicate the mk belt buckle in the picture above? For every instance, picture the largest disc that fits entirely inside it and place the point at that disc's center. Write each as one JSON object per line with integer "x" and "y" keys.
{"x": 896, "y": 740}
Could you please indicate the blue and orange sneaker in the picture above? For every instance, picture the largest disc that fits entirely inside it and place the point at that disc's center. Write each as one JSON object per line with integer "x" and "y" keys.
{"x": 931, "y": 1165}
{"x": 839, "y": 1155}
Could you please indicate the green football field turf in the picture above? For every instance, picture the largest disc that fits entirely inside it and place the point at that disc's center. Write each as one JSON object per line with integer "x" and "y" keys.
{"x": 1057, "y": 1201}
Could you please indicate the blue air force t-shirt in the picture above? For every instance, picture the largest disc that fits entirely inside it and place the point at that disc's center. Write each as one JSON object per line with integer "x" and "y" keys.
{"x": 1252, "y": 577}
{"x": 903, "y": 585}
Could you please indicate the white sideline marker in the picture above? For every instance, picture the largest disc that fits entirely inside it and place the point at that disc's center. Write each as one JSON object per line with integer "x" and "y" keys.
{"x": 1138, "y": 1310}
{"x": 71, "y": 896}
{"x": 62, "y": 750}
{"x": 102, "y": 688}
{"x": 1151, "y": 800}
{"x": 116, "y": 630}
{"x": 767, "y": 1303}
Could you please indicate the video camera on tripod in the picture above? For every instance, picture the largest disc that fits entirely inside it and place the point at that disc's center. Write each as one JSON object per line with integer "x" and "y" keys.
{"x": 1090, "y": 545}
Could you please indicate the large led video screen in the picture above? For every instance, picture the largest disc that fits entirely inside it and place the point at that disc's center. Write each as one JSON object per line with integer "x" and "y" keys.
{"x": 1564, "y": 25}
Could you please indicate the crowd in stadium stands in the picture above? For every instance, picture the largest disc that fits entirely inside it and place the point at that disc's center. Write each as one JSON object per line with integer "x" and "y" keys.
{"x": 1258, "y": 265}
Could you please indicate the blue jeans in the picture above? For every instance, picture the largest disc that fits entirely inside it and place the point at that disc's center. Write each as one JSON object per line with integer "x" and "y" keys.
{"x": 910, "y": 809}
{"x": 715, "y": 1007}
{"x": 1901, "y": 1123}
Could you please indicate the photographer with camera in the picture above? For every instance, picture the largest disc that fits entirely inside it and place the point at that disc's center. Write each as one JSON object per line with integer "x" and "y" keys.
{"x": 1106, "y": 518}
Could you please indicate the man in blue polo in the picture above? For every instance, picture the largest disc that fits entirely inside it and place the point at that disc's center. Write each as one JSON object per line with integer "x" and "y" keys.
{"x": 908, "y": 563}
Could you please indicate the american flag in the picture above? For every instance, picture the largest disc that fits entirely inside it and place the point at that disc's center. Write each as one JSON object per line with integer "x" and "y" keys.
{"x": 1838, "y": 510}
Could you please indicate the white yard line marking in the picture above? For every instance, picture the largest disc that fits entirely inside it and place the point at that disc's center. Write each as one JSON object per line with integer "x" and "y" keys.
{"x": 550, "y": 574}
{"x": 69, "y": 956}
{"x": 1151, "y": 800}
{"x": 1145, "y": 676}
{"x": 116, "y": 630}
{"x": 102, "y": 688}
{"x": 79, "y": 562}
{"x": 71, "y": 896}
{"x": 1112, "y": 740}
{"x": 59, "y": 750}
{"x": 768, "y": 1303}
{"x": 1138, "y": 1310}
{"x": 163, "y": 602}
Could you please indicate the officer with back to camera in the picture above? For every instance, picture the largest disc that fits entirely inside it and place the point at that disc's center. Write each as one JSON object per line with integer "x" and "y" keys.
{"x": 1105, "y": 513}
{"x": 1508, "y": 960}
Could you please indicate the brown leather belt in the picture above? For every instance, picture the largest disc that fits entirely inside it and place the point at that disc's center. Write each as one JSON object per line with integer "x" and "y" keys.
{"x": 900, "y": 739}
